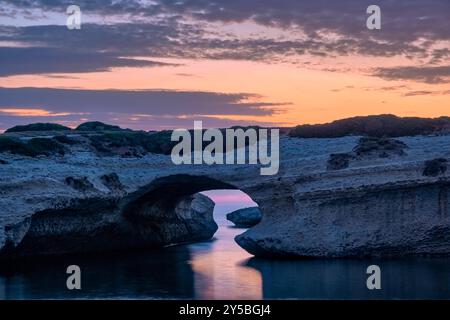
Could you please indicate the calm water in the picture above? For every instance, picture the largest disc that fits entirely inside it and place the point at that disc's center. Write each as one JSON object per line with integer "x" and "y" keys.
{"x": 220, "y": 269}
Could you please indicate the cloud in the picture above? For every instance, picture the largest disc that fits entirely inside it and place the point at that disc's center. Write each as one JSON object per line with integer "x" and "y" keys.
{"x": 418, "y": 93}
{"x": 425, "y": 93}
{"x": 192, "y": 29}
{"x": 426, "y": 74}
{"x": 24, "y": 112}
{"x": 402, "y": 20}
{"x": 16, "y": 61}
{"x": 142, "y": 108}
{"x": 149, "y": 102}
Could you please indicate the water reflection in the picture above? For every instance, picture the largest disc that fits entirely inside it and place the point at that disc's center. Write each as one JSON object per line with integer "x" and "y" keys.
{"x": 220, "y": 269}
{"x": 219, "y": 266}
{"x": 149, "y": 275}
{"x": 424, "y": 278}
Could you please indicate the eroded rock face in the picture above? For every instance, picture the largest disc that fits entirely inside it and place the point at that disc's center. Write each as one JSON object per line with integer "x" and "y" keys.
{"x": 99, "y": 225}
{"x": 246, "y": 217}
{"x": 389, "y": 220}
{"x": 377, "y": 206}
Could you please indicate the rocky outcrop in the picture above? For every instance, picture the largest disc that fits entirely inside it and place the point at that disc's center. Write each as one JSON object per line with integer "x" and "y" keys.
{"x": 366, "y": 149}
{"x": 246, "y": 217}
{"x": 83, "y": 201}
{"x": 408, "y": 218}
{"x": 379, "y": 147}
{"x": 99, "y": 225}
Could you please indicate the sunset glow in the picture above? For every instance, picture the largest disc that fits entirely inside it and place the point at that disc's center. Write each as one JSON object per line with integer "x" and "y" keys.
{"x": 279, "y": 69}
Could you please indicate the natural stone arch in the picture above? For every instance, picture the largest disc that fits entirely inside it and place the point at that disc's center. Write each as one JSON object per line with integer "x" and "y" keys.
{"x": 168, "y": 210}
{"x": 171, "y": 210}
{"x": 166, "y": 190}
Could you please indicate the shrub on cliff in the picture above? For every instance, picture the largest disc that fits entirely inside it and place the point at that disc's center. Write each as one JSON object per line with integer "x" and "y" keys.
{"x": 65, "y": 140}
{"x": 134, "y": 142}
{"x": 379, "y": 126}
{"x": 38, "y": 127}
{"x": 32, "y": 148}
{"x": 44, "y": 146}
{"x": 98, "y": 126}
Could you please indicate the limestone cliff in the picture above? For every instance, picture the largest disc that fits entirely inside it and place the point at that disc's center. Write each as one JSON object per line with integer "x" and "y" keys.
{"x": 81, "y": 201}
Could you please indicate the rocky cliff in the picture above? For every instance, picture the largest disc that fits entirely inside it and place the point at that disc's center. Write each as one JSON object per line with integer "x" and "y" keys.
{"x": 379, "y": 204}
{"x": 394, "y": 219}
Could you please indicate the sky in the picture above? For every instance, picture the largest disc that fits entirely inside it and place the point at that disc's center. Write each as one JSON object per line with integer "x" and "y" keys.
{"x": 161, "y": 64}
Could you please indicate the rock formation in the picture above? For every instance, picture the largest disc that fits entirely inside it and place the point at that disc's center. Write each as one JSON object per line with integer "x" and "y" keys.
{"x": 83, "y": 201}
{"x": 246, "y": 217}
{"x": 386, "y": 220}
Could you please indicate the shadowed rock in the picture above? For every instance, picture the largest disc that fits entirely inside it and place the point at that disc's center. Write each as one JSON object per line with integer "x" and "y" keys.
{"x": 339, "y": 161}
{"x": 435, "y": 167}
{"x": 112, "y": 182}
{"x": 80, "y": 184}
{"x": 165, "y": 212}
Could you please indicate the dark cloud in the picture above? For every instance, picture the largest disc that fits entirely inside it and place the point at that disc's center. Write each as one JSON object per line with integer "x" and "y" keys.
{"x": 142, "y": 102}
{"x": 425, "y": 93}
{"x": 101, "y": 47}
{"x": 430, "y": 75}
{"x": 143, "y": 109}
{"x": 402, "y": 20}
{"x": 170, "y": 36}
{"x": 40, "y": 60}
{"x": 418, "y": 93}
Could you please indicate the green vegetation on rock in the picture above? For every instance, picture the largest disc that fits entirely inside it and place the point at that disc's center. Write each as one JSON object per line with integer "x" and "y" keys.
{"x": 98, "y": 126}
{"x": 135, "y": 141}
{"x": 32, "y": 148}
{"x": 382, "y": 125}
{"x": 38, "y": 127}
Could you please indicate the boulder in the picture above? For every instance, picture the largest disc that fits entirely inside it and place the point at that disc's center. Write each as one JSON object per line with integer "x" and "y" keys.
{"x": 246, "y": 217}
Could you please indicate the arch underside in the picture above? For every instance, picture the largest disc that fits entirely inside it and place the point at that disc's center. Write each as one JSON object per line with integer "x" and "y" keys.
{"x": 169, "y": 210}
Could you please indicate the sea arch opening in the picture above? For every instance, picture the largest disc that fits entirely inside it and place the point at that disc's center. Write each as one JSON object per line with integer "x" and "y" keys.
{"x": 181, "y": 208}
{"x": 218, "y": 263}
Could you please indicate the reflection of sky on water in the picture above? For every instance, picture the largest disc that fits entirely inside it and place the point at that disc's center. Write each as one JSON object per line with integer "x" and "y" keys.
{"x": 220, "y": 269}
{"x": 217, "y": 265}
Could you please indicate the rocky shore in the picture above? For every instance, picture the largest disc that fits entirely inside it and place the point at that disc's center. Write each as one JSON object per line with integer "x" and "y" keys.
{"x": 380, "y": 203}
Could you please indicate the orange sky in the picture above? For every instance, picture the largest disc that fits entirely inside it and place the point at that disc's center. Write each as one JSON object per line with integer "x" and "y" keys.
{"x": 305, "y": 94}
{"x": 306, "y": 62}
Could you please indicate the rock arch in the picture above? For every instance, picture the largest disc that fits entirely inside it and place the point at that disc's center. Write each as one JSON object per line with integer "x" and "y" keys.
{"x": 168, "y": 210}
{"x": 171, "y": 210}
